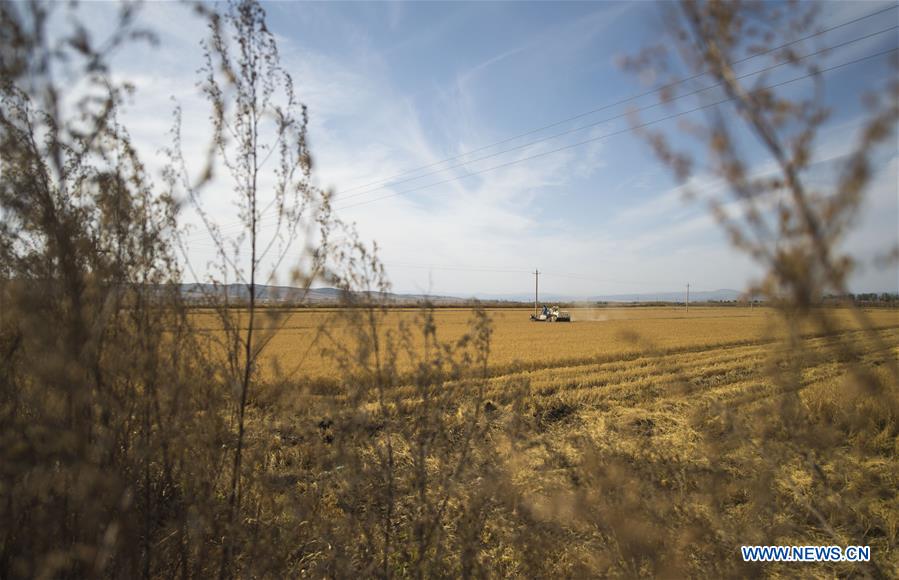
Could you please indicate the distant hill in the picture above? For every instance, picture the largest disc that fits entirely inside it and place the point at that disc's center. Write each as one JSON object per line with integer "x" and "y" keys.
{"x": 699, "y": 296}
{"x": 290, "y": 295}
{"x": 324, "y": 296}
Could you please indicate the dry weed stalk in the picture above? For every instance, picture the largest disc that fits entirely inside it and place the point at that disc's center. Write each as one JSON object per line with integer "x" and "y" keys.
{"x": 131, "y": 447}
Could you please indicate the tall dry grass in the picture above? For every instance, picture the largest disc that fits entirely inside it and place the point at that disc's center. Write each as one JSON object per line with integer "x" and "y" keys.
{"x": 130, "y": 448}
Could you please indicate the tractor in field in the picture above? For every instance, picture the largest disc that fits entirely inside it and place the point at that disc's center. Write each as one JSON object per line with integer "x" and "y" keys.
{"x": 551, "y": 315}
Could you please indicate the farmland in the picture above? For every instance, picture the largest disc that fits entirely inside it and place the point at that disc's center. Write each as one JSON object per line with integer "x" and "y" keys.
{"x": 595, "y": 333}
{"x": 633, "y": 441}
{"x": 237, "y": 238}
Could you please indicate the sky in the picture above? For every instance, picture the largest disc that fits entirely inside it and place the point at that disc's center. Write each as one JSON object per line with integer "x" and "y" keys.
{"x": 394, "y": 87}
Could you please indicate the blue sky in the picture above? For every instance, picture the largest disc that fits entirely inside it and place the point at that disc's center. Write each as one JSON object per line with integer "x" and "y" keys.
{"x": 396, "y": 86}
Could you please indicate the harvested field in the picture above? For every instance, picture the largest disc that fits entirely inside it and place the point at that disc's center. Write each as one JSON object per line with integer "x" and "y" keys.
{"x": 296, "y": 337}
{"x": 631, "y": 442}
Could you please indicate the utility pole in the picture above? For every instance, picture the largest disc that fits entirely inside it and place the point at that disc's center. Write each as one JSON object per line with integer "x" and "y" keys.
{"x": 536, "y": 281}
{"x": 687, "y": 302}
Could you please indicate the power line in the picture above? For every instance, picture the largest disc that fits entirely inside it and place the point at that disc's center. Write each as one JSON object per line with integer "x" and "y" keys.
{"x": 604, "y": 107}
{"x": 616, "y": 117}
{"x": 607, "y": 135}
{"x": 491, "y": 270}
{"x": 600, "y": 137}
{"x": 483, "y": 269}
{"x": 616, "y": 103}
{"x": 454, "y": 268}
{"x": 622, "y": 131}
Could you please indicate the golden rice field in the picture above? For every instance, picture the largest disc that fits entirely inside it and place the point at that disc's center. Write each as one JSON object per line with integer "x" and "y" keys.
{"x": 651, "y": 434}
{"x": 708, "y": 418}
{"x": 296, "y": 338}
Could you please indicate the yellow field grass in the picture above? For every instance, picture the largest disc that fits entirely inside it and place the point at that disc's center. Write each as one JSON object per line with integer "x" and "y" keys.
{"x": 634, "y": 434}
{"x": 644, "y": 434}
{"x": 294, "y": 347}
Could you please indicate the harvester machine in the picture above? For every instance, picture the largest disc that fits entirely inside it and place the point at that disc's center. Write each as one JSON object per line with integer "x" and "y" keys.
{"x": 551, "y": 315}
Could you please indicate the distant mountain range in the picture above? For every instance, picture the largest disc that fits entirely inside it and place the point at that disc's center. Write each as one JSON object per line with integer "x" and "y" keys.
{"x": 720, "y": 295}
{"x": 697, "y": 296}
{"x": 289, "y": 294}
{"x": 323, "y": 296}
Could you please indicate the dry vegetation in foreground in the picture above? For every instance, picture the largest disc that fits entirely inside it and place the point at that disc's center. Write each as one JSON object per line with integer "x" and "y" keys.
{"x": 657, "y": 462}
{"x": 141, "y": 438}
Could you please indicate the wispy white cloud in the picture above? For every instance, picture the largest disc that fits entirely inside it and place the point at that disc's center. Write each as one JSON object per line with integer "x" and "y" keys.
{"x": 366, "y": 128}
